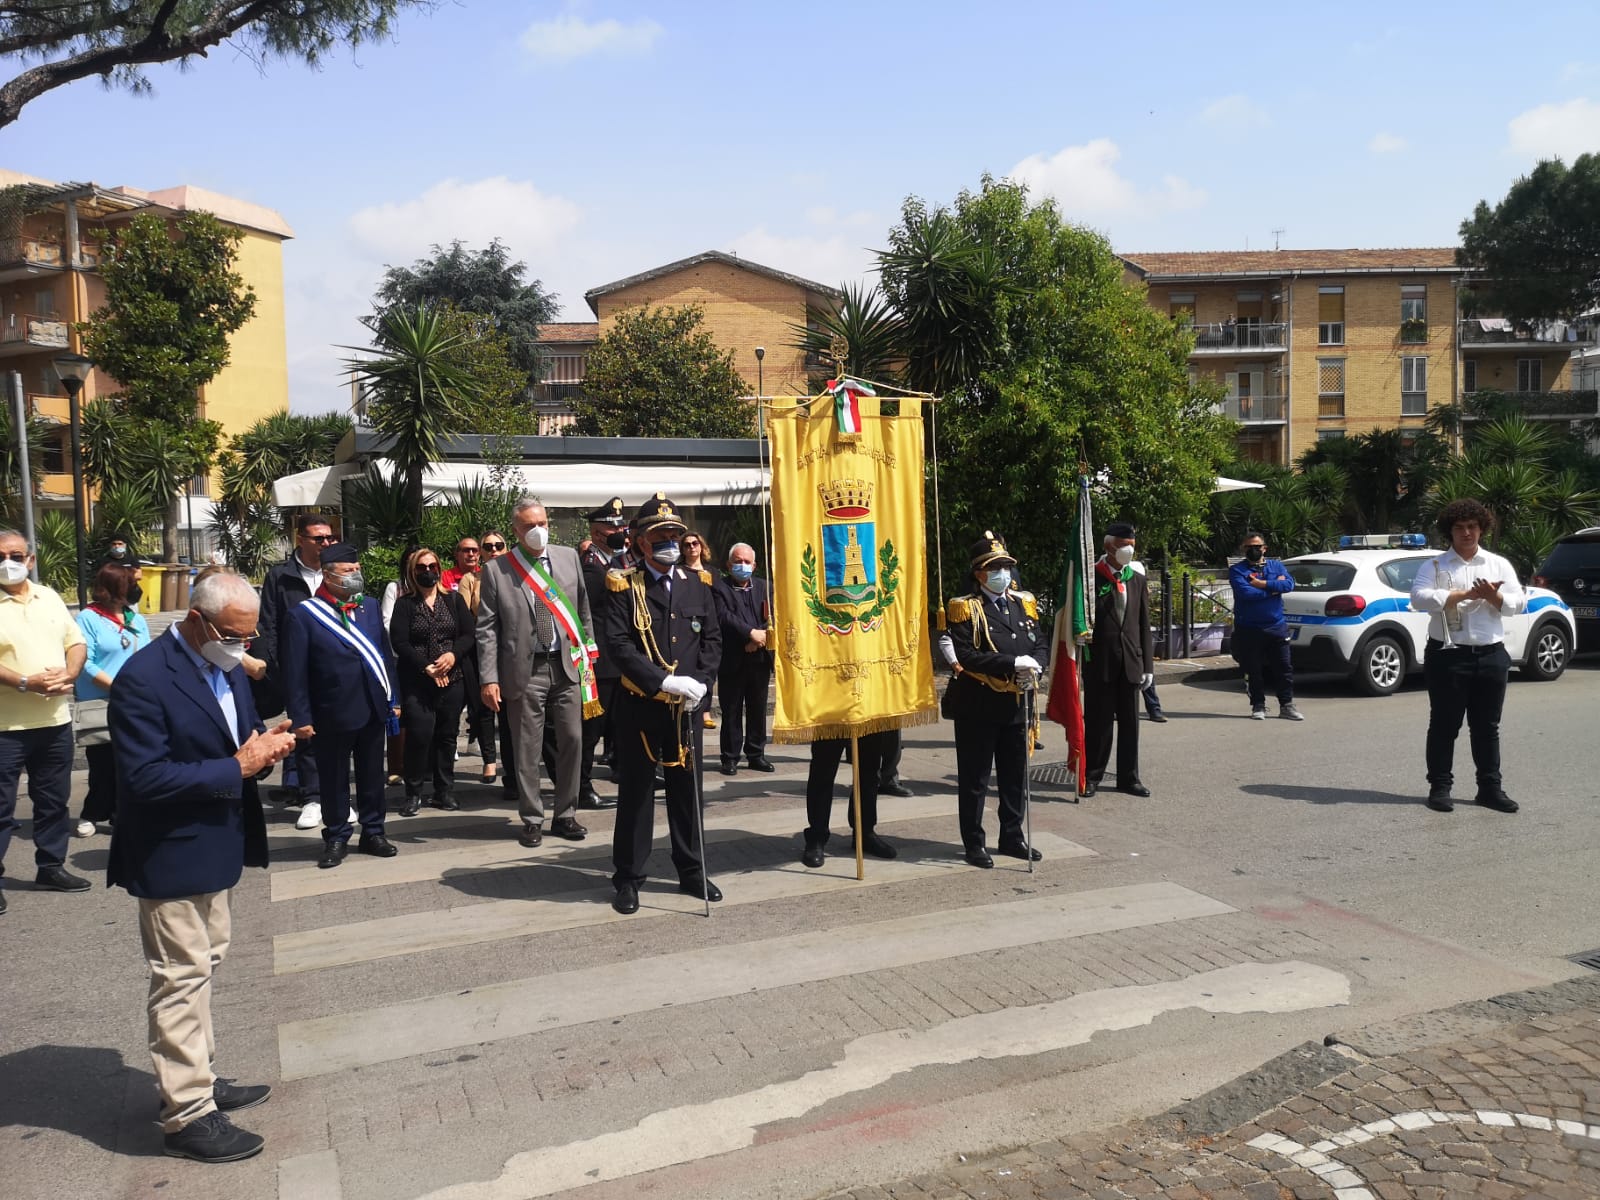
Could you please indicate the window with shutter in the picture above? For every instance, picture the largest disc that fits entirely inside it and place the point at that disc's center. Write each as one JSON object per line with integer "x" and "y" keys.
{"x": 1330, "y": 316}
{"x": 1330, "y": 387}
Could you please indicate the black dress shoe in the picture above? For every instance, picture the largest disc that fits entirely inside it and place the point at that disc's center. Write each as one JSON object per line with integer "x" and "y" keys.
{"x": 213, "y": 1139}
{"x": 874, "y": 846}
{"x": 729, "y": 768}
{"x": 1440, "y": 800}
{"x": 1090, "y": 787}
{"x": 589, "y": 798}
{"x": 59, "y": 879}
{"x": 377, "y": 845}
{"x": 231, "y": 1096}
{"x": 1498, "y": 801}
{"x": 531, "y": 836}
{"x": 893, "y": 789}
{"x": 446, "y": 801}
{"x": 568, "y": 829}
{"x": 979, "y": 857}
{"x": 699, "y": 888}
{"x": 1159, "y": 717}
{"x": 760, "y": 763}
{"x": 332, "y": 855}
{"x": 411, "y": 805}
{"x": 1134, "y": 789}
{"x": 814, "y": 856}
{"x": 1018, "y": 850}
{"x": 626, "y": 901}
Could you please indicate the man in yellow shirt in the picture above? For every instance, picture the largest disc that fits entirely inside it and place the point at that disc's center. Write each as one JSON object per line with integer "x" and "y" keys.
{"x": 41, "y": 653}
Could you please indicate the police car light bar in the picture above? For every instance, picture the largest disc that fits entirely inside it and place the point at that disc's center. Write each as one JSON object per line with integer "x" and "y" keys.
{"x": 1383, "y": 541}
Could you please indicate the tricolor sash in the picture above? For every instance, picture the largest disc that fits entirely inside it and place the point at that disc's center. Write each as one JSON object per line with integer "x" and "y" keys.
{"x": 581, "y": 648}
{"x": 364, "y": 647}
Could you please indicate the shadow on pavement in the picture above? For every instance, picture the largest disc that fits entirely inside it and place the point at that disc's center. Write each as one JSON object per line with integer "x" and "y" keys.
{"x": 78, "y": 1090}
{"x": 1327, "y": 795}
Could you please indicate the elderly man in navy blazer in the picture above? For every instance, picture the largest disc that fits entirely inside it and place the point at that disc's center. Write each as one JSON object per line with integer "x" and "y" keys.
{"x": 338, "y": 685}
{"x": 188, "y": 748}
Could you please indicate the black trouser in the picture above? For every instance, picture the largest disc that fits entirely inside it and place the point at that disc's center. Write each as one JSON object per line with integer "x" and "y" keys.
{"x": 889, "y": 768}
{"x": 593, "y": 727}
{"x": 300, "y": 771}
{"x": 1470, "y": 682}
{"x": 825, "y": 756}
{"x": 482, "y": 721}
{"x": 744, "y": 706}
{"x": 648, "y": 731}
{"x": 981, "y": 745}
{"x": 430, "y": 716}
{"x": 46, "y": 755}
{"x": 1265, "y": 659}
{"x": 333, "y": 752}
{"x": 100, "y": 799}
{"x": 1105, "y": 701}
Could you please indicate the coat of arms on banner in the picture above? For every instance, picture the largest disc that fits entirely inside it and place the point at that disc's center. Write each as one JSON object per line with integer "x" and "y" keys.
{"x": 859, "y": 578}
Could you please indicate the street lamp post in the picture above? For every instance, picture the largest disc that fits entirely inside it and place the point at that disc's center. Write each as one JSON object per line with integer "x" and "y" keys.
{"x": 73, "y": 369}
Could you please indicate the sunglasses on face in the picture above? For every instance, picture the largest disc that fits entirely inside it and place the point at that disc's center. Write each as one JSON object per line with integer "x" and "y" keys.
{"x": 20, "y": 556}
{"x": 230, "y": 641}
{"x": 466, "y": 550}
{"x": 494, "y": 545}
{"x": 321, "y": 539}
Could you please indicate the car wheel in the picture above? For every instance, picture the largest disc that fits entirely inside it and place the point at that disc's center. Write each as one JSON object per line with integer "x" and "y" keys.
{"x": 1547, "y": 656}
{"x": 1380, "y": 666}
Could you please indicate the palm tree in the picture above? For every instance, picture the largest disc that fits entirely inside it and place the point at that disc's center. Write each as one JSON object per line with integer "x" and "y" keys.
{"x": 11, "y": 483}
{"x": 419, "y": 391}
{"x": 868, "y": 326}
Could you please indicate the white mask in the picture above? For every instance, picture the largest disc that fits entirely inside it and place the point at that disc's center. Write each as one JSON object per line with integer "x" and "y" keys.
{"x": 537, "y": 538}
{"x": 1124, "y": 555}
{"x": 13, "y": 572}
{"x": 221, "y": 654}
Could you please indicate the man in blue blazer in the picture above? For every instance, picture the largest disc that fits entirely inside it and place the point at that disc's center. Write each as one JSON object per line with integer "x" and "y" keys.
{"x": 188, "y": 748}
{"x": 338, "y": 685}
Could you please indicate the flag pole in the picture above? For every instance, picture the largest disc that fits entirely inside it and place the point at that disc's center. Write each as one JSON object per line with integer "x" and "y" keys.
{"x": 855, "y": 802}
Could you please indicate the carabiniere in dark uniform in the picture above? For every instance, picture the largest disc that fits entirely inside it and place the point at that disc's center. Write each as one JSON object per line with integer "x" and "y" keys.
{"x": 607, "y": 524}
{"x": 660, "y": 630}
{"x": 996, "y": 632}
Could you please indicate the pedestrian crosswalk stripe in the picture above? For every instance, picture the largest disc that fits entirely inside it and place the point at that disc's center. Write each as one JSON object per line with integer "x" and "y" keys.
{"x": 323, "y": 1045}
{"x": 494, "y": 920}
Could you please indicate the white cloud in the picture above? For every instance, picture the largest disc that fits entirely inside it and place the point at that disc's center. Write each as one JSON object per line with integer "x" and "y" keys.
{"x": 1387, "y": 143}
{"x": 1557, "y": 130}
{"x": 1235, "y": 112}
{"x": 513, "y": 210}
{"x": 570, "y": 37}
{"x": 828, "y": 258}
{"x": 1084, "y": 180}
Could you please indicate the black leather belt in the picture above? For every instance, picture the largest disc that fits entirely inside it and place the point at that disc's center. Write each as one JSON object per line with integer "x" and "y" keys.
{"x": 1434, "y": 644}
{"x": 543, "y": 655}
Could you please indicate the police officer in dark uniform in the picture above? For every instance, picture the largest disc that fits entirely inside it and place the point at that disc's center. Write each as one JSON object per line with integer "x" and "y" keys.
{"x": 1000, "y": 646}
{"x": 605, "y": 548}
{"x": 660, "y": 630}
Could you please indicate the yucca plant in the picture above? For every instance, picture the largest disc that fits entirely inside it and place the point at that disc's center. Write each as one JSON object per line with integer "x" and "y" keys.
{"x": 128, "y": 510}
{"x": 380, "y": 507}
{"x": 868, "y": 326}
{"x": 56, "y": 546}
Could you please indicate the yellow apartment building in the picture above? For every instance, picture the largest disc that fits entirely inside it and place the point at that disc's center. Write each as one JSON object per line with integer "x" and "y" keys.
{"x": 1318, "y": 344}
{"x": 50, "y": 249}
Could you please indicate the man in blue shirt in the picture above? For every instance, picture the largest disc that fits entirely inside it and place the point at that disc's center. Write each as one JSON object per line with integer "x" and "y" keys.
{"x": 1260, "y": 634}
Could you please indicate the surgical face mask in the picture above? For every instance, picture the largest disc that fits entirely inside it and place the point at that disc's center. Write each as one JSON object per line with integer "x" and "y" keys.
{"x": 348, "y": 586}
{"x": 742, "y": 571}
{"x": 998, "y": 580}
{"x": 666, "y": 552}
{"x": 221, "y": 654}
{"x": 1124, "y": 555}
{"x": 537, "y": 538}
{"x": 13, "y": 572}
{"x": 119, "y": 551}
{"x": 617, "y": 540}
{"x": 1254, "y": 553}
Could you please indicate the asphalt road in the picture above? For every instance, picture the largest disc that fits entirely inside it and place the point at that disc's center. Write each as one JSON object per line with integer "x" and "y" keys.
{"x": 470, "y": 1020}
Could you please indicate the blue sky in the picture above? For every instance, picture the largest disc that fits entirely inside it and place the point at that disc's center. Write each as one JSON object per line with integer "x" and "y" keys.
{"x": 605, "y": 137}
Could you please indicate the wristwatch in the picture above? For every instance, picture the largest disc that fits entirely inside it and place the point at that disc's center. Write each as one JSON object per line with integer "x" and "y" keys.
{"x": 22, "y": 683}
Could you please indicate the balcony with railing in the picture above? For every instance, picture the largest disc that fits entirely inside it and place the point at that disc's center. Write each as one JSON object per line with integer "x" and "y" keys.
{"x": 31, "y": 252}
{"x": 1255, "y": 410}
{"x": 24, "y": 334}
{"x": 1240, "y": 338}
{"x": 49, "y": 408}
{"x": 1535, "y": 406}
{"x": 1483, "y": 332}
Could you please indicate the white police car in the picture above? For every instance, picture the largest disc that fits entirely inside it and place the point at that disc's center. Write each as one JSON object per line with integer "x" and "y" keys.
{"x": 1350, "y": 612}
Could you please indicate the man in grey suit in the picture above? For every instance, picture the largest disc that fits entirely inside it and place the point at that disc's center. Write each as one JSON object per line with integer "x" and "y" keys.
{"x": 535, "y": 655}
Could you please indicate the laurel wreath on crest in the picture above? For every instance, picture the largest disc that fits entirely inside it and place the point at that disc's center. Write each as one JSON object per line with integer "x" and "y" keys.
{"x": 843, "y": 619}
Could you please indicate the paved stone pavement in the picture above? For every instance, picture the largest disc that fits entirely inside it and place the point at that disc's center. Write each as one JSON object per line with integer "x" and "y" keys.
{"x": 1511, "y": 1112}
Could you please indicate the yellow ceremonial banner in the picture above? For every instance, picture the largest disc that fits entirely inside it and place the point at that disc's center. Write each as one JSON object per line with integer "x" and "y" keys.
{"x": 849, "y": 569}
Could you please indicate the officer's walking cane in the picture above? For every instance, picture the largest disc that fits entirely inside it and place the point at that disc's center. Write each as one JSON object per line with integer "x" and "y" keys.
{"x": 686, "y": 753}
{"x": 1029, "y": 681}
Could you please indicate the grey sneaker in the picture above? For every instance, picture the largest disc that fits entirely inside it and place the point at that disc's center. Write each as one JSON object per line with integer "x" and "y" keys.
{"x": 1258, "y": 714}
{"x": 1289, "y": 712}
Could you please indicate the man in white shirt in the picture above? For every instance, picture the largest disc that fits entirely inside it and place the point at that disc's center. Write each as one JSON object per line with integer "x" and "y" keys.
{"x": 1469, "y": 593}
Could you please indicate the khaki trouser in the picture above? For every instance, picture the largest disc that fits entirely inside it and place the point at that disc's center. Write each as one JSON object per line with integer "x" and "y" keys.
{"x": 185, "y": 941}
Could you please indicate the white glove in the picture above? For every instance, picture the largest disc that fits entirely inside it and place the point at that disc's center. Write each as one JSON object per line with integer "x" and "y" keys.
{"x": 1146, "y": 680}
{"x": 687, "y": 686}
{"x": 1026, "y": 662}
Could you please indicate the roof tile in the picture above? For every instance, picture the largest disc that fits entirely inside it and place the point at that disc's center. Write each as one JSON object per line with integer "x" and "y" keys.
{"x": 1237, "y": 262}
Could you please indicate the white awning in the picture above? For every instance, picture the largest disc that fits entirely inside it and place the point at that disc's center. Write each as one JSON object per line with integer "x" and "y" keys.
{"x": 557, "y": 485}
{"x": 1224, "y": 484}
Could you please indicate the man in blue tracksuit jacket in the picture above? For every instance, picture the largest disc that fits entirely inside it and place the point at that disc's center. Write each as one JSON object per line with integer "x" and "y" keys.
{"x": 1260, "y": 634}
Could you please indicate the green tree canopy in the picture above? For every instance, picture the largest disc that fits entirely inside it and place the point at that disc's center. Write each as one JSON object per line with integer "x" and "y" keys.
{"x": 1539, "y": 248}
{"x": 478, "y": 281}
{"x": 115, "y": 38}
{"x": 657, "y": 373}
{"x": 496, "y": 401}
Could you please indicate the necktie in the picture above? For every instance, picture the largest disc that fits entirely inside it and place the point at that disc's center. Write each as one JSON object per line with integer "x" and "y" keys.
{"x": 1005, "y": 607}
{"x": 217, "y": 680}
{"x": 544, "y": 625}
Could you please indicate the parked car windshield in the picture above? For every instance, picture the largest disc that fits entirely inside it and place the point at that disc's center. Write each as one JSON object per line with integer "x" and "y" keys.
{"x": 1572, "y": 558}
{"x": 1312, "y": 575}
{"x": 1401, "y": 573}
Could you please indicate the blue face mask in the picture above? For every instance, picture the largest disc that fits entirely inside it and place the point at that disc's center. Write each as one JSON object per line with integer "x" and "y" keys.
{"x": 742, "y": 571}
{"x": 666, "y": 552}
{"x": 998, "y": 580}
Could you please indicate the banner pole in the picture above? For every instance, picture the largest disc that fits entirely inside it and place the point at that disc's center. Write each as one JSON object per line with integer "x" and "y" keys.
{"x": 686, "y": 752}
{"x": 855, "y": 791}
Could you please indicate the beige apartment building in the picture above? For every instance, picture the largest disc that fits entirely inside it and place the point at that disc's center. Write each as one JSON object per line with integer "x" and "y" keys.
{"x": 1317, "y": 344}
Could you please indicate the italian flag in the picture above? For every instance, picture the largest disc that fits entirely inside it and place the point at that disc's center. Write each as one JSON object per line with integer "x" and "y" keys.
{"x": 1074, "y": 622}
{"x": 847, "y": 395}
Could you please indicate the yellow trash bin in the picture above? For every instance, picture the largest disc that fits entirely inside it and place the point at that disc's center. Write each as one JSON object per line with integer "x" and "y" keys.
{"x": 150, "y": 595}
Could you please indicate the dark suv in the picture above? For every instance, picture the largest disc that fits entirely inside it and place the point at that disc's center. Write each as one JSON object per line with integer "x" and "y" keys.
{"x": 1573, "y": 572}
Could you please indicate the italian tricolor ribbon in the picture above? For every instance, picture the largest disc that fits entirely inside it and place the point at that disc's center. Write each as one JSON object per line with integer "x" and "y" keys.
{"x": 580, "y": 648}
{"x": 847, "y": 395}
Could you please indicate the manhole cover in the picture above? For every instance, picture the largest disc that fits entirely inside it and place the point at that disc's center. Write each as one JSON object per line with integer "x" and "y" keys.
{"x": 1059, "y": 772}
{"x": 1589, "y": 958}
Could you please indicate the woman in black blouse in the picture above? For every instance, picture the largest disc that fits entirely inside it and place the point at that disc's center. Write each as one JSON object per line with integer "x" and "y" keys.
{"x": 432, "y": 632}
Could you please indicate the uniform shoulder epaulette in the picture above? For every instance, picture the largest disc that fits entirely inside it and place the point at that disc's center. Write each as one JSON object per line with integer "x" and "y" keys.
{"x": 959, "y": 608}
{"x": 1029, "y": 602}
{"x": 617, "y": 578}
{"x": 705, "y": 576}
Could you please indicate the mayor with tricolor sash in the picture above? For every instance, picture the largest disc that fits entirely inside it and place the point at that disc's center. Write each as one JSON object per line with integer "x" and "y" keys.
{"x": 536, "y": 657}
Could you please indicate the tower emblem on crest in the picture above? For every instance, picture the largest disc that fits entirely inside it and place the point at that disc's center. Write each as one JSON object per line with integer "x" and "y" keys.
{"x": 859, "y": 578}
